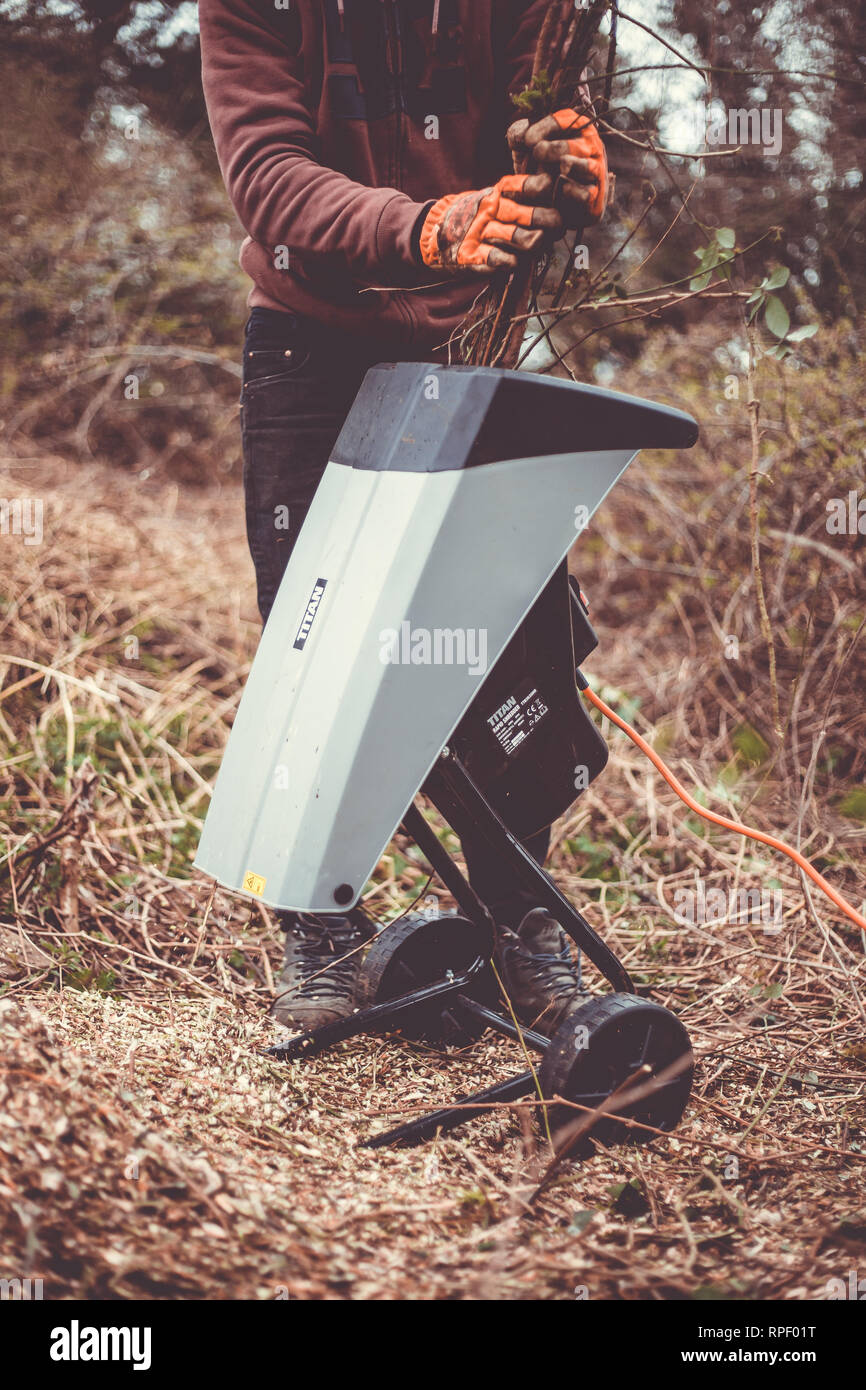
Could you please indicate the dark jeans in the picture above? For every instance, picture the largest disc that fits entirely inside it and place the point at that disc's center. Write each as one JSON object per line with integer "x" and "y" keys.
{"x": 299, "y": 382}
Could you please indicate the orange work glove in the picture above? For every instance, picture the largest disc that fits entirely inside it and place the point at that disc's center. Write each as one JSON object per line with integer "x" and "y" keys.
{"x": 483, "y": 229}
{"x": 578, "y": 156}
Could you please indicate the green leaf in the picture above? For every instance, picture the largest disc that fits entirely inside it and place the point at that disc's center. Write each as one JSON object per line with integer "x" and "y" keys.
{"x": 750, "y": 745}
{"x": 755, "y": 295}
{"x": 727, "y": 237}
{"x": 853, "y": 806}
{"x": 807, "y": 331}
{"x": 700, "y": 282}
{"x": 776, "y": 316}
{"x": 779, "y": 278}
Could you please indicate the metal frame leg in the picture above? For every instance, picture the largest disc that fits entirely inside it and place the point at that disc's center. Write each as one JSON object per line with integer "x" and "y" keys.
{"x": 450, "y": 787}
{"x": 373, "y": 1018}
{"x": 416, "y": 1131}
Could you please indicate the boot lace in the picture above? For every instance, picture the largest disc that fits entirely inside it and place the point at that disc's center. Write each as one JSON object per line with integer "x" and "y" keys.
{"x": 556, "y": 967}
{"x": 325, "y": 954}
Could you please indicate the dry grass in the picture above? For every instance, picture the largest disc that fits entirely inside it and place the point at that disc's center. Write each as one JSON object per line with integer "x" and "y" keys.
{"x": 148, "y": 1149}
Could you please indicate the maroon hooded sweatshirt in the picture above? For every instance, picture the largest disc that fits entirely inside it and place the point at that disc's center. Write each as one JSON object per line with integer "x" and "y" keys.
{"x": 337, "y": 123}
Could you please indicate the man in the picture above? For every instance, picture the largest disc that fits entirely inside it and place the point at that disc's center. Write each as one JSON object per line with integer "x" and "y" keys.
{"x": 362, "y": 143}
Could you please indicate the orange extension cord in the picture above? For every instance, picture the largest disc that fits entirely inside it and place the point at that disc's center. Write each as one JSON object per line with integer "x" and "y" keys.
{"x": 723, "y": 821}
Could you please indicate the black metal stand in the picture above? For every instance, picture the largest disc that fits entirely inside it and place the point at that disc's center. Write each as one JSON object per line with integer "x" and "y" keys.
{"x": 379, "y": 1016}
{"x": 453, "y": 791}
{"x": 417, "y": 1131}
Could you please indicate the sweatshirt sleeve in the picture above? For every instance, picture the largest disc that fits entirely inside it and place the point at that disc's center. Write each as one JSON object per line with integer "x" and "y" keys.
{"x": 266, "y": 143}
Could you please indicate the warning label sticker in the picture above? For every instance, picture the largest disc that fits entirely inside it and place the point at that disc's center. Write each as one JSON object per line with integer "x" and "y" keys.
{"x": 254, "y": 883}
{"x": 514, "y": 720}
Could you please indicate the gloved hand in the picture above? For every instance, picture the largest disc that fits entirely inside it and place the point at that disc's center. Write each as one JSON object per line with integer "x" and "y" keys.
{"x": 485, "y": 229}
{"x": 577, "y": 155}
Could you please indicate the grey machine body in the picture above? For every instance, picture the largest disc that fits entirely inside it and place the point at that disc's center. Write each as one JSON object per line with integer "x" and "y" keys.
{"x": 434, "y": 528}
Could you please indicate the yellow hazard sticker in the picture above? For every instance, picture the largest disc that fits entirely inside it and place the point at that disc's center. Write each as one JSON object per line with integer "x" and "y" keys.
{"x": 254, "y": 883}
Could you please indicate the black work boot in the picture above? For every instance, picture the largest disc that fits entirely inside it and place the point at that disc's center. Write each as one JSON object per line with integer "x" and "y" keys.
{"x": 537, "y": 970}
{"x": 316, "y": 985}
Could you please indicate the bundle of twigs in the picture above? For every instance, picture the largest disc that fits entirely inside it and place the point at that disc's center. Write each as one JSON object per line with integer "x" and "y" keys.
{"x": 496, "y": 329}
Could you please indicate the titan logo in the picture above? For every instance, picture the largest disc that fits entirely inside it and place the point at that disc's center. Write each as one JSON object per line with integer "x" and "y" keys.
{"x": 312, "y": 609}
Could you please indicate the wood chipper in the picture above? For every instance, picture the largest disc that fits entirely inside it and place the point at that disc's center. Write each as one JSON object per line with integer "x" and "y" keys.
{"x": 446, "y": 513}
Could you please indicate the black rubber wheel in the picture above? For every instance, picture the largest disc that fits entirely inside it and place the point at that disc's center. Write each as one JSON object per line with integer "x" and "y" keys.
{"x": 419, "y": 951}
{"x": 599, "y": 1047}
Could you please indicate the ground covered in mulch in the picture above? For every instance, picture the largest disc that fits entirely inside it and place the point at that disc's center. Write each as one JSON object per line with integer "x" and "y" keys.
{"x": 149, "y": 1149}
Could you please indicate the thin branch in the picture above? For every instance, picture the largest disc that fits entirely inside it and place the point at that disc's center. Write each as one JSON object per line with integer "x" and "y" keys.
{"x": 652, "y": 33}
